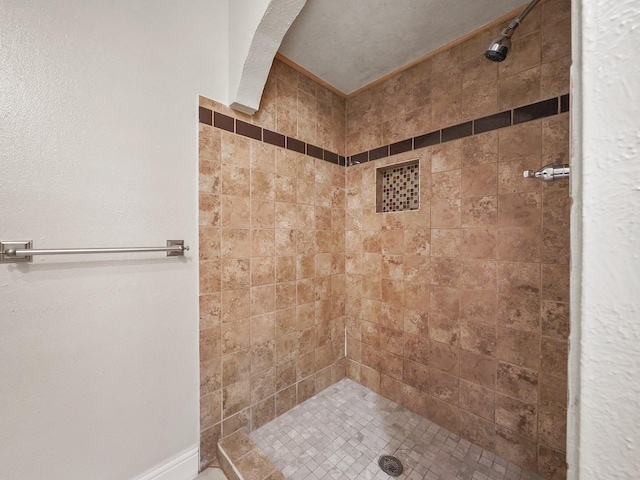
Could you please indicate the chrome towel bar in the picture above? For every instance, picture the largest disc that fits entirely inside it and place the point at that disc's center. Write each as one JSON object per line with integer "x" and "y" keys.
{"x": 22, "y": 251}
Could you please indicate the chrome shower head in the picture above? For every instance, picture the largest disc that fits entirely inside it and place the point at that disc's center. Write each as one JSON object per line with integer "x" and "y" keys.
{"x": 499, "y": 48}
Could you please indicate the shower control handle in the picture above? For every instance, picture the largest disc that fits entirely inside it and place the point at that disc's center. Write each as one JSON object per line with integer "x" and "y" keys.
{"x": 548, "y": 173}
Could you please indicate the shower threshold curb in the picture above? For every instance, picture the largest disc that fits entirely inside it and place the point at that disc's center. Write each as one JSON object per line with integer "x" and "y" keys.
{"x": 242, "y": 459}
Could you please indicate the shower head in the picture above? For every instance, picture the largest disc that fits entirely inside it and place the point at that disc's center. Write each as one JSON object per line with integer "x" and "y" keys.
{"x": 499, "y": 48}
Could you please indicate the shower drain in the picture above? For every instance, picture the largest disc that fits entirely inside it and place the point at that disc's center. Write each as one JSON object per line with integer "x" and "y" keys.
{"x": 390, "y": 465}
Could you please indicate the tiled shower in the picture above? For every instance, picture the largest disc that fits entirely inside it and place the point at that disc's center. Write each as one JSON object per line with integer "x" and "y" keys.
{"x": 457, "y": 310}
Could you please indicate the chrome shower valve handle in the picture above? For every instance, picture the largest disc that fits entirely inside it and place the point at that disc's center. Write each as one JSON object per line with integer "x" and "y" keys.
{"x": 548, "y": 173}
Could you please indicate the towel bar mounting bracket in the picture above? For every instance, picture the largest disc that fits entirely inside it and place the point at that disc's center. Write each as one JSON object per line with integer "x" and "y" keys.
{"x": 6, "y": 247}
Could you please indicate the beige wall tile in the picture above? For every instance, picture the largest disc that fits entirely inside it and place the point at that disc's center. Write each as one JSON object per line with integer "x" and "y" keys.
{"x": 554, "y": 357}
{"x": 519, "y": 347}
{"x": 477, "y": 400}
{"x": 480, "y": 149}
{"x": 519, "y": 278}
{"x": 443, "y": 386}
{"x": 210, "y": 343}
{"x": 479, "y": 274}
{"x": 444, "y": 329}
{"x": 480, "y": 180}
{"x": 444, "y": 357}
{"x": 210, "y": 311}
{"x": 520, "y": 312}
{"x": 235, "y": 150}
{"x": 478, "y": 369}
{"x": 479, "y": 211}
{"x": 519, "y": 89}
{"x": 478, "y": 338}
{"x": 479, "y": 306}
{"x": 518, "y": 382}
{"x": 555, "y": 319}
{"x": 445, "y": 242}
{"x": 478, "y": 243}
{"x": 209, "y": 210}
{"x": 524, "y": 54}
{"x": 478, "y": 430}
{"x": 551, "y": 463}
{"x": 516, "y": 448}
{"x": 516, "y": 416}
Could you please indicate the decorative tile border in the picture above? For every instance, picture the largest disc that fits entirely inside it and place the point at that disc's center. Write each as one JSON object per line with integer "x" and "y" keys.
{"x": 234, "y": 125}
{"x": 526, "y": 113}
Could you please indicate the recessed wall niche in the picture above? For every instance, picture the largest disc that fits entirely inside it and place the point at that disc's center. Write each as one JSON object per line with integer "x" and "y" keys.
{"x": 398, "y": 187}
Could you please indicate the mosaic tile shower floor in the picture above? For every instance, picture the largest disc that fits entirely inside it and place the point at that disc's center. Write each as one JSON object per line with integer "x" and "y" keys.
{"x": 341, "y": 432}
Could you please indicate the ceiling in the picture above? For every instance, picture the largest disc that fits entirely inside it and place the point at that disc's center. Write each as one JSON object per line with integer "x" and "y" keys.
{"x": 351, "y": 43}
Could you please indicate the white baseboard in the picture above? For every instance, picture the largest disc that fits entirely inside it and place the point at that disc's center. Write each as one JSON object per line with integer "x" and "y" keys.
{"x": 182, "y": 467}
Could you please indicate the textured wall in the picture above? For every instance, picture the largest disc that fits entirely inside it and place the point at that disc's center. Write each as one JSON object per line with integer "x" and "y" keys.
{"x": 271, "y": 268}
{"x": 605, "y": 365}
{"x": 99, "y": 353}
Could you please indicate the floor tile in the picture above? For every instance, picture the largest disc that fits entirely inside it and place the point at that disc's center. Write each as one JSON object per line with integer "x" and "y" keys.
{"x": 341, "y": 432}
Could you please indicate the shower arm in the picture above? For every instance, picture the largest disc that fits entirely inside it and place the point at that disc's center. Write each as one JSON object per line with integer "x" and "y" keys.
{"x": 515, "y": 23}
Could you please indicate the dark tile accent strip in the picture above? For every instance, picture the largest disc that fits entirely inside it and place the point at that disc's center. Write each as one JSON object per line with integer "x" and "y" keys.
{"x": 457, "y": 131}
{"x": 223, "y": 121}
{"x": 248, "y": 130}
{"x": 492, "y": 122}
{"x": 526, "y": 113}
{"x": 331, "y": 157}
{"x": 360, "y": 158}
{"x": 379, "y": 152}
{"x": 314, "y": 151}
{"x": 546, "y": 108}
{"x": 296, "y": 145}
{"x": 273, "y": 138}
{"x": 205, "y": 116}
{"x": 564, "y": 103}
{"x": 400, "y": 147}
{"x": 426, "y": 140}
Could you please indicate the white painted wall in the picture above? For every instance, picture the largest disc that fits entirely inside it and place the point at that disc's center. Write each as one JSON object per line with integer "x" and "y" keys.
{"x": 98, "y": 147}
{"x": 604, "y": 421}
